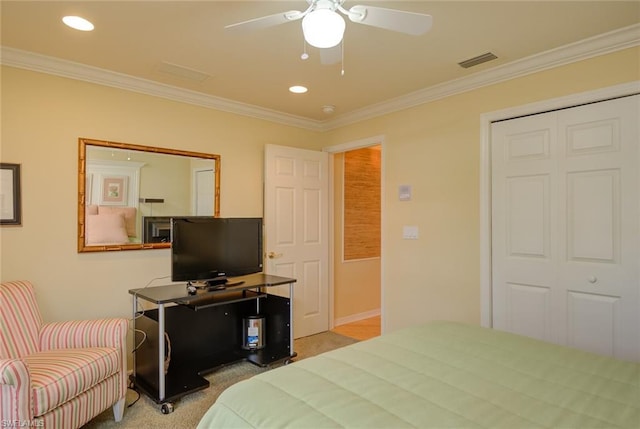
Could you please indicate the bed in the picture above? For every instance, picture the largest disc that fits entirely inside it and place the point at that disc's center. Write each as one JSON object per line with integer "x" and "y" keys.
{"x": 438, "y": 375}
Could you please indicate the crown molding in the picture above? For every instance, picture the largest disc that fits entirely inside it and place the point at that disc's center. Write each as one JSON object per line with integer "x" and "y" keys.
{"x": 73, "y": 70}
{"x": 605, "y": 43}
{"x": 594, "y": 46}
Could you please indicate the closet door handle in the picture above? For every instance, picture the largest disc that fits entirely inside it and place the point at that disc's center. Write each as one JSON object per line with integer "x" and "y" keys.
{"x": 593, "y": 279}
{"x": 273, "y": 255}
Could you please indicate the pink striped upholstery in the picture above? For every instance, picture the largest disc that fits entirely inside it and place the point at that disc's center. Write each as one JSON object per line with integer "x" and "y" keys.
{"x": 84, "y": 407}
{"x": 59, "y": 375}
{"x": 15, "y": 397}
{"x": 21, "y": 320}
{"x": 82, "y": 333}
{"x": 90, "y": 333}
{"x": 62, "y": 374}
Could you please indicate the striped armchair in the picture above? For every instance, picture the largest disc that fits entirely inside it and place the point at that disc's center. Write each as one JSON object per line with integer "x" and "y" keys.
{"x": 57, "y": 375}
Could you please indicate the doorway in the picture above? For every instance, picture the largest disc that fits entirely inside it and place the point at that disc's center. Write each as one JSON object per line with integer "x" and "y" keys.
{"x": 356, "y": 174}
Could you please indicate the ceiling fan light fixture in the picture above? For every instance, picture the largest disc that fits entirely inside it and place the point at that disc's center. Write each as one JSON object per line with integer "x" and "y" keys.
{"x": 323, "y": 28}
{"x": 78, "y": 23}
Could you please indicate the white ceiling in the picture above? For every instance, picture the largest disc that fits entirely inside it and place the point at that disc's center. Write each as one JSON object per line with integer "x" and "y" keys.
{"x": 135, "y": 38}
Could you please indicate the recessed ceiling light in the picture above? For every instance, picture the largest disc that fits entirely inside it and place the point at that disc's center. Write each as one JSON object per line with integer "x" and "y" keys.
{"x": 298, "y": 89}
{"x": 78, "y": 23}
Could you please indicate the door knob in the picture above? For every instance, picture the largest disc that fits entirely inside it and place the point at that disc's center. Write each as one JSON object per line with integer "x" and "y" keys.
{"x": 273, "y": 255}
{"x": 593, "y": 279}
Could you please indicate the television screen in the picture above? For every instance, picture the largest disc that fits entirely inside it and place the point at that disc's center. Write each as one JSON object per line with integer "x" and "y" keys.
{"x": 156, "y": 229}
{"x": 211, "y": 248}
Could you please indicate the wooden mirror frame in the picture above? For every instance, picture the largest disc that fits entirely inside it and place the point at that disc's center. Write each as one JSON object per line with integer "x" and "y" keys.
{"x": 82, "y": 176}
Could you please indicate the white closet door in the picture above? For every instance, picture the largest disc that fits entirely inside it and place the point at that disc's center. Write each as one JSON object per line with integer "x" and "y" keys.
{"x": 524, "y": 196}
{"x": 565, "y": 244}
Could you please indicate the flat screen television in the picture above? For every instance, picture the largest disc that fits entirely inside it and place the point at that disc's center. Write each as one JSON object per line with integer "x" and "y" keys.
{"x": 210, "y": 249}
{"x": 156, "y": 229}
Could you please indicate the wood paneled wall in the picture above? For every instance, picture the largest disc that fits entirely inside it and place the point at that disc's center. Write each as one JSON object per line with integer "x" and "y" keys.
{"x": 362, "y": 203}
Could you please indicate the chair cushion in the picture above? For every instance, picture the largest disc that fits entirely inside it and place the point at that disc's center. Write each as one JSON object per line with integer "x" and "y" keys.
{"x": 59, "y": 375}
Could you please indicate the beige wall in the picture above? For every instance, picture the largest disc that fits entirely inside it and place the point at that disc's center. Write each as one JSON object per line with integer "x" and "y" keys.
{"x": 433, "y": 147}
{"x": 42, "y": 118}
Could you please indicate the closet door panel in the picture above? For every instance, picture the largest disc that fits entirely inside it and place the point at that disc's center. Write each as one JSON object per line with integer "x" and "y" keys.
{"x": 565, "y": 235}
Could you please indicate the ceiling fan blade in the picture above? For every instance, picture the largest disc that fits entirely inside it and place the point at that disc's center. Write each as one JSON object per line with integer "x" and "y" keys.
{"x": 391, "y": 19}
{"x": 330, "y": 56}
{"x": 265, "y": 21}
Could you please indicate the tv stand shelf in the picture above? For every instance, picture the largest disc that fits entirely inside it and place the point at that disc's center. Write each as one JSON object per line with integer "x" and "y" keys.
{"x": 204, "y": 332}
{"x": 219, "y": 297}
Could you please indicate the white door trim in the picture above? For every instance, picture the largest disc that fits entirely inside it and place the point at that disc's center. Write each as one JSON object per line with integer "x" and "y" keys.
{"x": 356, "y": 144}
{"x": 485, "y": 170}
{"x": 344, "y": 147}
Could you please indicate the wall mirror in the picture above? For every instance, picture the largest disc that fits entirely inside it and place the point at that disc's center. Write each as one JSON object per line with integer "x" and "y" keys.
{"x": 128, "y": 193}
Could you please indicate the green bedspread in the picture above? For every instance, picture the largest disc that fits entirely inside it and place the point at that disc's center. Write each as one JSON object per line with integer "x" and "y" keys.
{"x": 439, "y": 375}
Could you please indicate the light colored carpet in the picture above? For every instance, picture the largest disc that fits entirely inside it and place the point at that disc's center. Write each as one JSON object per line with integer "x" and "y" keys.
{"x": 145, "y": 413}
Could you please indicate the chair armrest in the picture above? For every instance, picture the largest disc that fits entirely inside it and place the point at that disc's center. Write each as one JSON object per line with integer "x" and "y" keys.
{"x": 84, "y": 333}
{"x": 15, "y": 388}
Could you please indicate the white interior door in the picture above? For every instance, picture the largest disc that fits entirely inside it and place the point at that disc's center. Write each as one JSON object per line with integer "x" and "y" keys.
{"x": 524, "y": 153}
{"x": 203, "y": 192}
{"x": 296, "y": 231}
{"x": 565, "y": 245}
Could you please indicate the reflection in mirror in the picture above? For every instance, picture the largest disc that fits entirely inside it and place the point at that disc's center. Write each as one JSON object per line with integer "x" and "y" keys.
{"x": 128, "y": 193}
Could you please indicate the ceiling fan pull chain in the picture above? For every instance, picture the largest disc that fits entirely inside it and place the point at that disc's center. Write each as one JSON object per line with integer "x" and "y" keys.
{"x": 342, "y": 59}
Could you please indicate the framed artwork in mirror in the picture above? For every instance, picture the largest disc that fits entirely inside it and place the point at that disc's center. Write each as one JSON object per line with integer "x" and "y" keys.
{"x": 114, "y": 190}
{"x": 10, "y": 202}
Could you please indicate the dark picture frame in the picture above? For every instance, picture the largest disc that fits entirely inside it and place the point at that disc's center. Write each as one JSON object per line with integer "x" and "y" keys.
{"x": 10, "y": 201}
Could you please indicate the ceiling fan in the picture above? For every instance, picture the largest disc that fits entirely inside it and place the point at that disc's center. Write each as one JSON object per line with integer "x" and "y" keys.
{"x": 323, "y": 26}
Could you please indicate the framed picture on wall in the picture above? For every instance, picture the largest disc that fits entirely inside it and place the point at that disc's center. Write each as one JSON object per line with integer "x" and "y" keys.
{"x": 114, "y": 190}
{"x": 10, "y": 203}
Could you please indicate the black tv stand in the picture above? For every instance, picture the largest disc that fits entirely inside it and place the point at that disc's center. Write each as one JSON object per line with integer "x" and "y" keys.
{"x": 218, "y": 282}
{"x": 196, "y": 351}
{"x": 222, "y": 283}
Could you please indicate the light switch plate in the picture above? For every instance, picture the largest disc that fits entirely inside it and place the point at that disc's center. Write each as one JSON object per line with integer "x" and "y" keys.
{"x": 404, "y": 192}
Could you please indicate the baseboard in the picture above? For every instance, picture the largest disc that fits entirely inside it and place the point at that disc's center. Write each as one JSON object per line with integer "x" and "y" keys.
{"x": 356, "y": 317}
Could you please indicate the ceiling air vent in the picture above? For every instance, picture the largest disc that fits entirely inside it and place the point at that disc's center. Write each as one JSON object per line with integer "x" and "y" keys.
{"x": 182, "y": 72}
{"x": 477, "y": 60}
